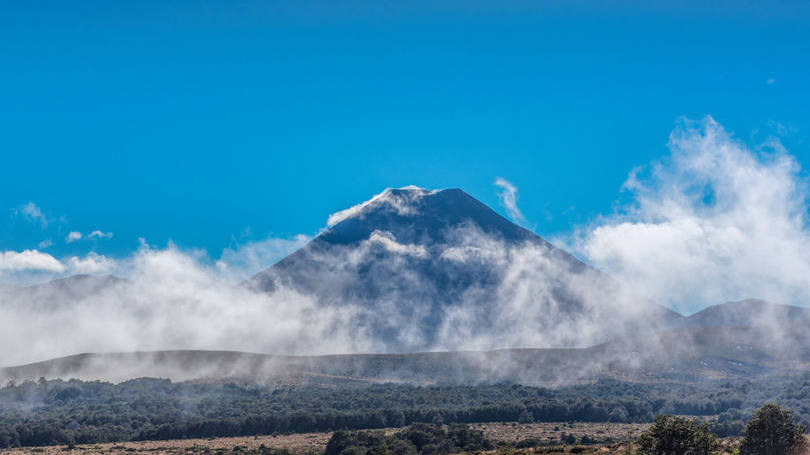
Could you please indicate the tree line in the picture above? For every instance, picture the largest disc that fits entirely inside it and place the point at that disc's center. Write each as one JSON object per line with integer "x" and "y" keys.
{"x": 63, "y": 412}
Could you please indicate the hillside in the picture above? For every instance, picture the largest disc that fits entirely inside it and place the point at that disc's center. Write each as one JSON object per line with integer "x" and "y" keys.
{"x": 750, "y": 313}
{"x": 681, "y": 354}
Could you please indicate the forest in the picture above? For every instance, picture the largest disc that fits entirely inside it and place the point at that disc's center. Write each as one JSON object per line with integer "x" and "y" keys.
{"x": 48, "y": 412}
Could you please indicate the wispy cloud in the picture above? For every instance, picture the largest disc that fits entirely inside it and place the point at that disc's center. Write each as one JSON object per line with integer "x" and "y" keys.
{"x": 509, "y": 197}
{"x": 73, "y": 236}
{"x": 33, "y": 214}
{"x": 247, "y": 259}
{"x": 389, "y": 242}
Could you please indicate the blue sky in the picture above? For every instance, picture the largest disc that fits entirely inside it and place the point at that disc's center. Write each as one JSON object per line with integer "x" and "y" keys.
{"x": 217, "y": 123}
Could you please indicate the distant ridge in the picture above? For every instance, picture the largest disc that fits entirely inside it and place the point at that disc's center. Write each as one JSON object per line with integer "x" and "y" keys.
{"x": 682, "y": 354}
{"x": 750, "y": 313}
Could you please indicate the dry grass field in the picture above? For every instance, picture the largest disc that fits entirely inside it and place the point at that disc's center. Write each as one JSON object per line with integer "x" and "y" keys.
{"x": 316, "y": 442}
{"x": 294, "y": 443}
{"x": 612, "y": 439}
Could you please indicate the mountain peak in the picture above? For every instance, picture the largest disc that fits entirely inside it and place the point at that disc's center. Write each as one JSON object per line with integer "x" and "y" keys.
{"x": 414, "y": 265}
{"x": 412, "y": 214}
{"x": 398, "y": 199}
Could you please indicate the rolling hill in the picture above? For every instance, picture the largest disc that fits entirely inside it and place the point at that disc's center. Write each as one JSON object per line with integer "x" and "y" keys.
{"x": 690, "y": 354}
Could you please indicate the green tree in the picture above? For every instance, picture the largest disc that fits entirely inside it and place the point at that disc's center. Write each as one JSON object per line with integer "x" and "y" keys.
{"x": 772, "y": 431}
{"x": 670, "y": 435}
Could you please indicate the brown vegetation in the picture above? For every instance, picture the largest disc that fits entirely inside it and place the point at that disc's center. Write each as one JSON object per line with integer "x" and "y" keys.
{"x": 316, "y": 442}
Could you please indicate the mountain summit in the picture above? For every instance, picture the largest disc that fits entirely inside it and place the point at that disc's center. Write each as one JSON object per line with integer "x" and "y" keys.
{"x": 422, "y": 269}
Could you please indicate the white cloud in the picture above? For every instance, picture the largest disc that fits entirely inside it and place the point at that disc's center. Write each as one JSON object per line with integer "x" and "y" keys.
{"x": 715, "y": 221}
{"x": 509, "y": 198}
{"x": 92, "y": 264}
{"x": 29, "y": 260}
{"x": 73, "y": 236}
{"x": 45, "y": 244}
{"x": 27, "y": 266}
{"x": 100, "y": 234}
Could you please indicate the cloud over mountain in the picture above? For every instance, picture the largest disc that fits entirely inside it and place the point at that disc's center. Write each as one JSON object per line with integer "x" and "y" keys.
{"x": 715, "y": 220}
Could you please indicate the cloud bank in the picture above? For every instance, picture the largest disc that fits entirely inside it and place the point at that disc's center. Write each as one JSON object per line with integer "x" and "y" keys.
{"x": 169, "y": 300}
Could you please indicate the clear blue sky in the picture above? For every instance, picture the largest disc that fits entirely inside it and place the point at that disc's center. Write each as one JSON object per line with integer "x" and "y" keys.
{"x": 194, "y": 121}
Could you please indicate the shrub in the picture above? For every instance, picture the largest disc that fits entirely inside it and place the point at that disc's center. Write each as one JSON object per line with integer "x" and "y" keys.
{"x": 772, "y": 431}
{"x": 670, "y": 435}
{"x": 418, "y": 439}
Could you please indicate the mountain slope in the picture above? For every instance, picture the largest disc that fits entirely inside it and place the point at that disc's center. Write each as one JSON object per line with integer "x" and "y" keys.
{"x": 423, "y": 269}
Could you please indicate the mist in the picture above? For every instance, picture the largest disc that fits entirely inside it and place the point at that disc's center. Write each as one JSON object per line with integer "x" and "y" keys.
{"x": 714, "y": 221}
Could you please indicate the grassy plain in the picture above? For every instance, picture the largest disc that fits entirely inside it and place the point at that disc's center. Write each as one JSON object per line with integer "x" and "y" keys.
{"x": 611, "y": 438}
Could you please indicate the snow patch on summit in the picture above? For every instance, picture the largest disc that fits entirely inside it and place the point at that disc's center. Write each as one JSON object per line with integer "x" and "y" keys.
{"x": 400, "y": 200}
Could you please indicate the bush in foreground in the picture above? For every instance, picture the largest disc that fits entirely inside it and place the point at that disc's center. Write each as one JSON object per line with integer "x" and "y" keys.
{"x": 772, "y": 431}
{"x": 671, "y": 435}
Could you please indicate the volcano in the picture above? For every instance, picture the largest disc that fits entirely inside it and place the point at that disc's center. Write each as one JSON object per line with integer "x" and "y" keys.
{"x": 421, "y": 267}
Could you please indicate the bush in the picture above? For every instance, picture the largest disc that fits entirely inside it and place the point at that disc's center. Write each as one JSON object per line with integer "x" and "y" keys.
{"x": 670, "y": 435}
{"x": 772, "y": 431}
{"x": 418, "y": 439}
